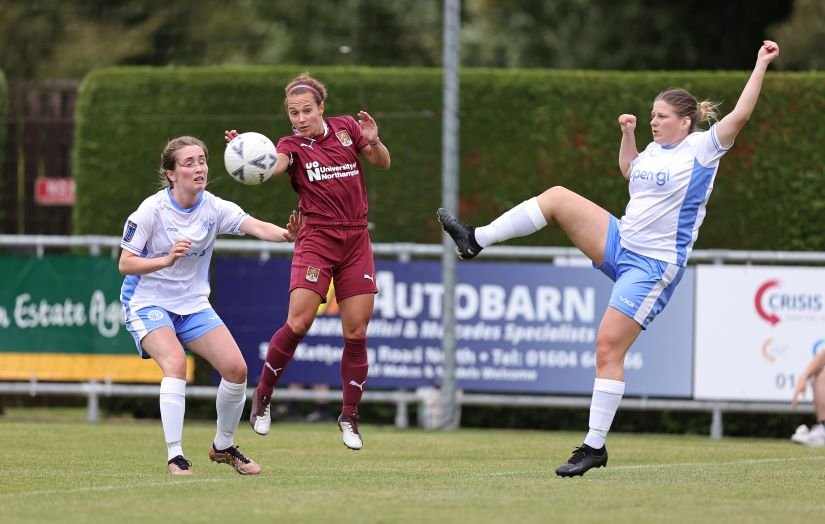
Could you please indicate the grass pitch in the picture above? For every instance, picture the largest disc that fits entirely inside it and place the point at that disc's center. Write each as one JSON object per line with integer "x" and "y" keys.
{"x": 68, "y": 471}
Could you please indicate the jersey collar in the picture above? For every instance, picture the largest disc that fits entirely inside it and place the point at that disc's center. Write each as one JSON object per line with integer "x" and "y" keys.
{"x": 183, "y": 209}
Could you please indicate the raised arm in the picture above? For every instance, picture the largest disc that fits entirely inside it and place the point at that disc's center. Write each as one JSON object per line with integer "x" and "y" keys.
{"x": 728, "y": 128}
{"x": 375, "y": 153}
{"x": 627, "y": 149}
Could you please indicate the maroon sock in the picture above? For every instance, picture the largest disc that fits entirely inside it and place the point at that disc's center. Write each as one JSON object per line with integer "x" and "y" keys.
{"x": 354, "y": 367}
{"x": 281, "y": 348}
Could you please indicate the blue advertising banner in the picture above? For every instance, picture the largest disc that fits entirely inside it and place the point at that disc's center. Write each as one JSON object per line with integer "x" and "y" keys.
{"x": 520, "y": 328}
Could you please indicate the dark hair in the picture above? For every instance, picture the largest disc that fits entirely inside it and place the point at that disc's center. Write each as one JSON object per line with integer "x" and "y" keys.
{"x": 685, "y": 104}
{"x": 168, "y": 157}
{"x": 304, "y": 83}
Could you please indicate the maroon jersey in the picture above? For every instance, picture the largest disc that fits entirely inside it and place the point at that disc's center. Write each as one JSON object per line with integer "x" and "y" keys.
{"x": 327, "y": 173}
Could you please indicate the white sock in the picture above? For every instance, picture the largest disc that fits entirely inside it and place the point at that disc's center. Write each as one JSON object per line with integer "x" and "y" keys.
{"x": 522, "y": 220}
{"x": 229, "y": 405}
{"x": 607, "y": 394}
{"x": 172, "y": 408}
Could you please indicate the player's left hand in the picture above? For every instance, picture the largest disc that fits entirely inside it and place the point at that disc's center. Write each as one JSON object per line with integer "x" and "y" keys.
{"x": 768, "y": 52}
{"x": 368, "y": 126}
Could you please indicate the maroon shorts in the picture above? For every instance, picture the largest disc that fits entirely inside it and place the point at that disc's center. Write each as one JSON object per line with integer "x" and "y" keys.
{"x": 331, "y": 252}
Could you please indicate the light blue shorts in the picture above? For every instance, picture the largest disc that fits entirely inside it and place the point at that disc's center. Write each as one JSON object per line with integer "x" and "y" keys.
{"x": 643, "y": 285}
{"x": 186, "y": 327}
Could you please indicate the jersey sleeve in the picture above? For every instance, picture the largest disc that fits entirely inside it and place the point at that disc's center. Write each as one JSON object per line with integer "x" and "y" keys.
{"x": 138, "y": 228}
{"x": 230, "y": 216}
{"x": 708, "y": 149}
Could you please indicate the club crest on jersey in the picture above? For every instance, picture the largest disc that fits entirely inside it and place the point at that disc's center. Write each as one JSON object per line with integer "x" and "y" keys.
{"x": 344, "y": 138}
{"x": 312, "y": 274}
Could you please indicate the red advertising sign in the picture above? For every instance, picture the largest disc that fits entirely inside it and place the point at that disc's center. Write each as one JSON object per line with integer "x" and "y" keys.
{"x": 54, "y": 191}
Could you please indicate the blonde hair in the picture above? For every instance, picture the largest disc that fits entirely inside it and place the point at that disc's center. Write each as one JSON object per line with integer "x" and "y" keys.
{"x": 168, "y": 157}
{"x": 304, "y": 83}
{"x": 685, "y": 104}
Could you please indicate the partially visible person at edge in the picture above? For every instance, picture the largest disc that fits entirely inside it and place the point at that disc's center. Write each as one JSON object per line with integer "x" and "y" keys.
{"x": 645, "y": 252}
{"x": 323, "y": 159}
{"x": 815, "y": 435}
{"x": 167, "y": 245}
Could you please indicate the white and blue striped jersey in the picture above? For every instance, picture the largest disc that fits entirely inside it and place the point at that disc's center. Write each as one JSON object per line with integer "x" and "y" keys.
{"x": 150, "y": 231}
{"x": 669, "y": 189}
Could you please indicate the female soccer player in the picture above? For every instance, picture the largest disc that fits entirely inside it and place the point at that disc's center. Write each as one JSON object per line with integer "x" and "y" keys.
{"x": 323, "y": 160}
{"x": 645, "y": 252}
{"x": 167, "y": 245}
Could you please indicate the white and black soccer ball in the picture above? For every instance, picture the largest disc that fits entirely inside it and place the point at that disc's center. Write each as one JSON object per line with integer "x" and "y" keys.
{"x": 250, "y": 158}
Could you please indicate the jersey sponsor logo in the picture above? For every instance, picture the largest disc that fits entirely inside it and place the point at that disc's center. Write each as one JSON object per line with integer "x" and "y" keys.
{"x": 312, "y": 274}
{"x": 660, "y": 178}
{"x": 316, "y": 172}
{"x": 344, "y": 138}
{"x": 131, "y": 227}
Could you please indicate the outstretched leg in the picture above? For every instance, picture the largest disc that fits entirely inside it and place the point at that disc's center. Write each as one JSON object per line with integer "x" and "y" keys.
{"x": 585, "y": 223}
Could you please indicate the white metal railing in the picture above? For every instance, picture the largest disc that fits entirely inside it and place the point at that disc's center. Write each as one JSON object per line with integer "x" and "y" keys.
{"x": 97, "y": 244}
{"x": 94, "y": 390}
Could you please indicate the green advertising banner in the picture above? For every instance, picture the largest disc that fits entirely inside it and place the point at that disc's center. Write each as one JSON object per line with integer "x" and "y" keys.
{"x": 61, "y": 319}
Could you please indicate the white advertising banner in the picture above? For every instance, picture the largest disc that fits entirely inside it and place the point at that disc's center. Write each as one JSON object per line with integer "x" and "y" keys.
{"x": 756, "y": 330}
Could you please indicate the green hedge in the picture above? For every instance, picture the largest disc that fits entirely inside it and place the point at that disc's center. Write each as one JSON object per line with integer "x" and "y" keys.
{"x": 521, "y": 132}
{"x": 4, "y": 106}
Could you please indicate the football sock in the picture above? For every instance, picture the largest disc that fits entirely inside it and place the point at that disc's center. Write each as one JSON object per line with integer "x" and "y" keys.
{"x": 522, "y": 220}
{"x": 354, "y": 368}
{"x": 607, "y": 394}
{"x": 172, "y": 408}
{"x": 229, "y": 404}
{"x": 281, "y": 348}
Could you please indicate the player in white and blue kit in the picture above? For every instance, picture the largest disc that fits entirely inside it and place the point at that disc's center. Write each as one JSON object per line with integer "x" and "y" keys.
{"x": 646, "y": 251}
{"x": 167, "y": 246}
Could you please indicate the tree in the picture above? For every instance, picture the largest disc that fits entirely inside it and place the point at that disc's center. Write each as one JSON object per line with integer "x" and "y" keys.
{"x": 802, "y": 36}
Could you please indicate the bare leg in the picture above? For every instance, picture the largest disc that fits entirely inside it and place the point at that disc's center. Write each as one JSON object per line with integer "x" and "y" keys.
{"x": 585, "y": 223}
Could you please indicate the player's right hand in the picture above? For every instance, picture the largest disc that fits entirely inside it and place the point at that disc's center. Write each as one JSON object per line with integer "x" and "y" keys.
{"x": 229, "y": 134}
{"x": 627, "y": 123}
{"x": 178, "y": 250}
{"x": 799, "y": 391}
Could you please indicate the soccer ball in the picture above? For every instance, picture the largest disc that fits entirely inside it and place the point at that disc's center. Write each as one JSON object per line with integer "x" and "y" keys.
{"x": 250, "y": 158}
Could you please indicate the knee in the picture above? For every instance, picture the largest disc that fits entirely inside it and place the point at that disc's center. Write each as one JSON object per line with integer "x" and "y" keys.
{"x": 235, "y": 371}
{"x": 554, "y": 194}
{"x": 608, "y": 352}
{"x": 300, "y": 325}
{"x": 174, "y": 366}
{"x": 357, "y": 332}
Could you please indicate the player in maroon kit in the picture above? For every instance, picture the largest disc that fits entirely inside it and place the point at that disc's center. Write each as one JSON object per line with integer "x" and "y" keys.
{"x": 323, "y": 160}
